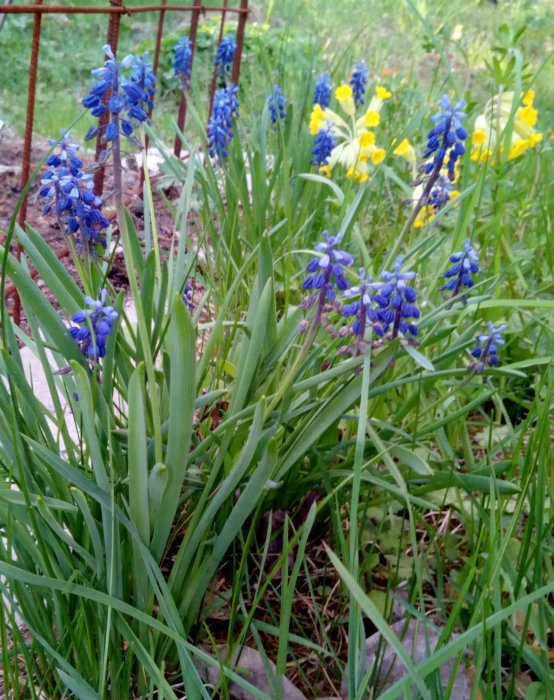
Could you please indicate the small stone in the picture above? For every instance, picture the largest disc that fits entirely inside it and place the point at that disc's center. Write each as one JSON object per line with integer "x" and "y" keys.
{"x": 137, "y": 206}
{"x": 252, "y": 667}
{"x": 419, "y": 639}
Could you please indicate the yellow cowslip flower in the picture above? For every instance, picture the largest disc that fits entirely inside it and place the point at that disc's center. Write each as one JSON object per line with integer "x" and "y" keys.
{"x": 345, "y": 96}
{"x": 378, "y": 156}
{"x": 366, "y": 139}
{"x": 343, "y": 92}
{"x": 528, "y": 115}
{"x": 517, "y": 148}
{"x": 382, "y": 93}
{"x": 354, "y": 174}
{"x": 372, "y": 118}
{"x": 534, "y": 139}
{"x": 424, "y": 215}
{"x": 402, "y": 148}
{"x": 325, "y": 170}
{"x": 406, "y": 151}
{"x": 490, "y": 126}
{"x": 480, "y": 150}
{"x": 529, "y": 98}
{"x": 479, "y": 137}
{"x": 316, "y": 118}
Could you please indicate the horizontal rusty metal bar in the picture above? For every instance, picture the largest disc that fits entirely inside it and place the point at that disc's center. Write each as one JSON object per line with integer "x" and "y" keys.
{"x": 118, "y": 10}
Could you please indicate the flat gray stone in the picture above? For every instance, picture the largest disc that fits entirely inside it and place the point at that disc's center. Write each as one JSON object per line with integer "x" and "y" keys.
{"x": 419, "y": 640}
{"x": 249, "y": 664}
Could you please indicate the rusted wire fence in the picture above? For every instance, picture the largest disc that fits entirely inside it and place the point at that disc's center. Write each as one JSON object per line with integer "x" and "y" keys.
{"x": 118, "y": 11}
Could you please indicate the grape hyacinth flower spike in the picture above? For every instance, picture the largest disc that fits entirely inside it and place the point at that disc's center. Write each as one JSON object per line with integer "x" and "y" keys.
{"x": 95, "y": 325}
{"x": 464, "y": 265}
{"x": 444, "y": 148}
{"x": 182, "y": 63}
{"x": 220, "y": 127}
{"x": 224, "y": 57}
{"x": 65, "y": 154}
{"x": 446, "y": 138}
{"x": 326, "y": 271}
{"x": 322, "y": 91}
{"x": 486, "y": 352}
{"x": 131, "y": 96}
{"x": 396, "y": 302}
{"x": 326, "y": 275}
{"x": 188, "y": 298}
{"x": 358, "y": 82}
{"x": 276, "y": 104}
{"x": 324, "y": 142}
{"x": 67, "y": 191}
{"x": 363, "y": 309}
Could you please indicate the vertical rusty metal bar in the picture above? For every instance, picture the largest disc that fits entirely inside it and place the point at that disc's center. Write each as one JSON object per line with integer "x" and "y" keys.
{"x": 219, "y": 40}
{"x": 28, "y": 141}
{"x": 155, "y": 64}
{"x": 181, "y": 118}
{"x": 240, "y": 41}
{"x": 159, "y": 35}
{"x": 112, "y": 40}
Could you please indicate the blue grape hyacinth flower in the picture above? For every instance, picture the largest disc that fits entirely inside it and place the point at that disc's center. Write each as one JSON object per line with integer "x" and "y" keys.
{"x": 464, "y": 265}
{"x": 363, "y": 307}
{"x": 276, "y": 104}
{"x": 324, "y": 142}
{"x": 182, "y": 63}
{"x": 188, "y": 297}
{"x": 65, "y": 154}
{"x": 395, "y": 299}
{"x": 95, "y": 325}
{"x": 445, "y": 140}
{"x": 224, "y": 57}
{"x": 322, "y": 90}
{"x": 130, "y": 87}
{"x": 66, "y": 191}
{"x": 486, "y": 352}
{"x": 441, "y": 193}
{"x": 139, "y": 88}
{"x": 358, "y": 82}
{"x": 326, "y": 271}
{"x": 220, "y": 127}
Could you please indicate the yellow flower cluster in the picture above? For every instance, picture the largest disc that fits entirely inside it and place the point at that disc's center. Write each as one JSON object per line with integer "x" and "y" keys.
{"x": 490, "y": 126}
{"x": 356, "y": 148}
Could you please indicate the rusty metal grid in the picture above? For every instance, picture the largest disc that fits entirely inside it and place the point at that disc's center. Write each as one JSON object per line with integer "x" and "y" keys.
{"x": 117, "y": 9}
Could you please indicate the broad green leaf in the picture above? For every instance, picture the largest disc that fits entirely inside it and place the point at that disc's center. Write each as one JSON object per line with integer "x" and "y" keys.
{"x": 35, "y": 302}
{"x": 411, "y": 458}
{"x": 182, "y": 392}
{"x": 157, "y": 485}
{"x": 51, "y": 269}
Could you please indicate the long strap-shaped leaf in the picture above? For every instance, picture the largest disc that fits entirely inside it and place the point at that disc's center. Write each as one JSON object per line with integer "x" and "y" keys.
{"x": 182, "y": 390}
